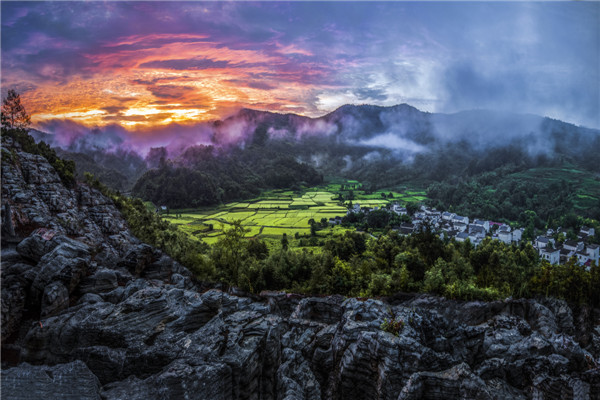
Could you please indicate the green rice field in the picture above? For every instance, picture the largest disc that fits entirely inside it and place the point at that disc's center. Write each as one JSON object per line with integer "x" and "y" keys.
{"x": 280, "y": 211}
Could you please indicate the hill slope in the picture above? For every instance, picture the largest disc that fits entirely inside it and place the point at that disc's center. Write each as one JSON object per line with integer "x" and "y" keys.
{"x": 380, "y": 146}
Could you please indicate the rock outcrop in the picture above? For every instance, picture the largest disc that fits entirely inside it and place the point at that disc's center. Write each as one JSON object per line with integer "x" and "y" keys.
{"x": 88, "y": 311}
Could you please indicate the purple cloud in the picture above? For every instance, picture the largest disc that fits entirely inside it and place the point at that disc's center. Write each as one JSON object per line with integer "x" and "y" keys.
{"x": 184, "y": 64}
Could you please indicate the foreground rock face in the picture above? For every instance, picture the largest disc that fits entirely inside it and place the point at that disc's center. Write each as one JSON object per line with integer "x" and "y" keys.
{"x": 90, "y": 312}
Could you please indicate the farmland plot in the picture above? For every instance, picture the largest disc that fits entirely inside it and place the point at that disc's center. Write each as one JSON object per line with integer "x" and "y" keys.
{"x": 282, "y": 211}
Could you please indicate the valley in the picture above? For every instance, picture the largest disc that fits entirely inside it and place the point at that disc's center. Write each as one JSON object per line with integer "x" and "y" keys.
{"x": 278, "y": 212}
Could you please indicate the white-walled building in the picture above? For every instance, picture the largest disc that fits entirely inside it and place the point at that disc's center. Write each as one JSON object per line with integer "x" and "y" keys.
{"x": 505, "y": 236}
{"x": 460, "y": 219}
{"x": 552, "y": 255}
{"x": 593, "y": 250}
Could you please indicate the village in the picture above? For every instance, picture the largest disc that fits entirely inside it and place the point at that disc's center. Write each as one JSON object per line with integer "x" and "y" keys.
{"x": 461, "y": 228}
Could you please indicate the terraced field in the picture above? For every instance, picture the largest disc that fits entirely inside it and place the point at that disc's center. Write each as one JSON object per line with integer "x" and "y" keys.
{"x": 280, "y": 211}
{"x": 585, "y": 183}
{"x": 272, "y": 215}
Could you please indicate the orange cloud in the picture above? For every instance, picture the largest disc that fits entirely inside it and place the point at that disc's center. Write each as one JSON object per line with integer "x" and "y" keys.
{"x": 137, "y": 81}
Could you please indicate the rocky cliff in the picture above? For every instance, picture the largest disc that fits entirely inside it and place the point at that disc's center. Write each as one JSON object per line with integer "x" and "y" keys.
{"x": 89, "y": 312}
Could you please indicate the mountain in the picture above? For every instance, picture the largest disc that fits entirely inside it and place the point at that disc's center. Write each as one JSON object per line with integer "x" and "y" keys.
{"x": 380, "y": 146}
{"x": 383, "y": 147}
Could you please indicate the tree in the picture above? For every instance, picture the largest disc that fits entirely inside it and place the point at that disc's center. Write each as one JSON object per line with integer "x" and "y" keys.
{"x": 412, "y": 207}
{"x": 284, "y": 242}
{"x": 229, "y": 253}
{"x": 14, "y": 115}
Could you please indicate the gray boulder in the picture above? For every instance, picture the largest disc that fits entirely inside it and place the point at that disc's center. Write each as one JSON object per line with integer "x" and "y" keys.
{"x": 71, "y": 381}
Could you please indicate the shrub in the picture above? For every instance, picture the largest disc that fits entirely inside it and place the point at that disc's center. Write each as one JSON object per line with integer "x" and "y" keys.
{"x": 393, "y": 326}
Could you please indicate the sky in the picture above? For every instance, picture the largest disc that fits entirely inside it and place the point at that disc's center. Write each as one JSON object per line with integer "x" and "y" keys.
{"x": 151, "y": 65}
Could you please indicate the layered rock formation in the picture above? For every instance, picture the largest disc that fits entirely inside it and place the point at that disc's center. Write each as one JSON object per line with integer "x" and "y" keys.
{"x": 90, "y": 312}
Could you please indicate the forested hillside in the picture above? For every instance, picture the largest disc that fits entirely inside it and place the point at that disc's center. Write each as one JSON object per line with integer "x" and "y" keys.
{"x": 386, "y": 146}
{"x": 204, "y": 176}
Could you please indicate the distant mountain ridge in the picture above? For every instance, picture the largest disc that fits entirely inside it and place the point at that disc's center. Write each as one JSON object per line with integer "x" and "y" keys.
{"x": 355, "y": 141}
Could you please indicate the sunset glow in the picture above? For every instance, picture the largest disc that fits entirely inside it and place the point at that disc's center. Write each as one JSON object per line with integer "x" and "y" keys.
{"x": 153, "y": 64}
{"x": 161, "y": 79}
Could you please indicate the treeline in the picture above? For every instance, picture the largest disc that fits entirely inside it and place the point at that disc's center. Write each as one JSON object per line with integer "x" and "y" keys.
{"x": 64, "y": 168}
{"x": 204, "y": 176}
{"x": 375, "y": 219}
{"x": 355, "y": 265}
{"x": 450, "y": 161}
{"x": 118, "y": 170}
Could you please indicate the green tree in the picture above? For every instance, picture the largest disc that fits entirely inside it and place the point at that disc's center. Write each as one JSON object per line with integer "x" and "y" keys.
{"x": 229, "y": 253}
{"x": 412, "y": 207}
{"x": 284, "y": 242}
{"x": 14, "y": 115}
{"x": 434, "y": 277}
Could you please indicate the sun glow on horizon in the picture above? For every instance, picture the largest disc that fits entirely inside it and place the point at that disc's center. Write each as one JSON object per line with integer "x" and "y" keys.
{"x": 171, "y": 78}
{"x": 140, "y": 64}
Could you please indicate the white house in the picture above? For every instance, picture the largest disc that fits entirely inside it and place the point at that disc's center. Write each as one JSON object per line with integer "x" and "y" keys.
{"x": 477, "y": 231}
{"x": 448, "y": 216}
{"x": 565, "y": 254}
{"x": 459, "y": 226}
{"x": 407, "y": 229}
{"x": 460, "y": 219}
{"x": 447, "y": 227}
{"x": 542, "y": 241}
{"x": 432, "y": 212}
{"x": 354, "y": 210}
{"x": 593, "y": 250}
{"x": 572, "y": 245}
{"x": 484, "y": 224}
{"x": 518, "y": 234}
{"x": 503, "y": 228}
{"x": 505, "y": 236}
{"x": 582, "y": 257}
{"x": 462, "y": 236}
{"x": 587, "y": 230}
{"x": 475, "y": 238}
{"x": 419, "y": 215}
{"x": 553, "y": 256}
{"x": 399, "y": 210}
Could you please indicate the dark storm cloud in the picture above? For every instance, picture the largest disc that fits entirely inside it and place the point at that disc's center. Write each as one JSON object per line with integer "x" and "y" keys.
{"x": 171, "y": 91}
{"x": 253, "y": 84}
{"x": 183, "y": 64}
{"x": 114, "y": 109}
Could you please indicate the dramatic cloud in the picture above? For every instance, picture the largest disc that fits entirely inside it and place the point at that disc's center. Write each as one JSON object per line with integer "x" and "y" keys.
{"x": 149, "y": 64}
{"x": 184, "y": 65}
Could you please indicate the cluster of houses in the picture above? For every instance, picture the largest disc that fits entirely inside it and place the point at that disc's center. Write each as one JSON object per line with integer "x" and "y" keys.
{"x": 451, "y": 225}
{"x": 585, "y": 252}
